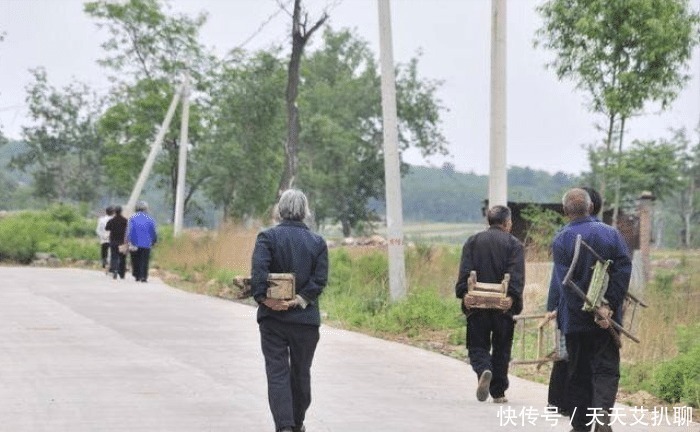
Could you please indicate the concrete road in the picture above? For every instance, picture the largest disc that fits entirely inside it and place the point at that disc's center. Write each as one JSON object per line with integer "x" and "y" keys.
{"x": 80, "y": 352}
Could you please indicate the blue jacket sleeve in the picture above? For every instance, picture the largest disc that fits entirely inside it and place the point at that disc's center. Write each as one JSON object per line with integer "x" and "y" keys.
{"x": 620, "y": 274}
{"x": 319, "y": 276}
{"x": 154, "y": 233}
{"x": 262, "y": 257}
{"x": 554, "y": 288}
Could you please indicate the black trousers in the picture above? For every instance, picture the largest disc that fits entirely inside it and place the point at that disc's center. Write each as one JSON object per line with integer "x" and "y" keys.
{"x": 117, "y": 262}
{"x": 558, "y": 395}
{"x": 104, "y": 252}
{"x": 489, "y": 343}
{"x": 139, "y": 262}
{"x": 594, "y": 374}
{"x": 289, "y": 351}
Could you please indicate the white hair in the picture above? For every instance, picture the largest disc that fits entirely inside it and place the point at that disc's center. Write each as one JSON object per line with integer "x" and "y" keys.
{"x": 293, "y": 205}
{"x": 576, "y": 202}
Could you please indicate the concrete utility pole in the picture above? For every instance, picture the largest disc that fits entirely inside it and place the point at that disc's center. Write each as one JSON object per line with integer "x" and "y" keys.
{"x": 155, "y": 148}
{"x": 498, "y": 174}
{"x": 392, "y": 175}
{"x": 182, "y": 158}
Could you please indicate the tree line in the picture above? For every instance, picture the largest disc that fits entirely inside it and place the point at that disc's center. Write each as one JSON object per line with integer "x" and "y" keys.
{"x": 83, "y": 147}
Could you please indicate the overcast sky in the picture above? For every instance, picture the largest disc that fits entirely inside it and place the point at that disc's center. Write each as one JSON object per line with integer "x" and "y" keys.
{"x": 547, "y": 120}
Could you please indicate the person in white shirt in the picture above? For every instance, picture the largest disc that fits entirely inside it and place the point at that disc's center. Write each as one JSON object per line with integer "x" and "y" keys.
{"x": 103, "y": 234}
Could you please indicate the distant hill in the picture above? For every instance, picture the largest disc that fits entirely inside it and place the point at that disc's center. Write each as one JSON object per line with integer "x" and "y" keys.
{"x": 446, "y": 195}
{"x": 429, "y": 194}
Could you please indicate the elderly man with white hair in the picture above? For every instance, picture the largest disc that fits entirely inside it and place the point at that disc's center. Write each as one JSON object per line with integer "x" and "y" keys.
{"x": 594, "y": 356}
{"x": 289, "y": 330}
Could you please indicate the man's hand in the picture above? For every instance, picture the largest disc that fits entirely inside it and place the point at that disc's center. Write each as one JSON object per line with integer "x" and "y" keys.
{"x": 602, "y": 316}
{"x": 276, "y": 305}
{"x": 507, "y": 303}
{"x": 551, "y": 315}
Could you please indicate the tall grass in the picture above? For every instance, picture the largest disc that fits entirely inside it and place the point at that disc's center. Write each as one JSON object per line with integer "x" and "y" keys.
{"x": 199, "y": 254}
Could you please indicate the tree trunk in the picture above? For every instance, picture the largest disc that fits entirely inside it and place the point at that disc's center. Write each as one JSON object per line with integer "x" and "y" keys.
{"x": 606, "y": 156}
{"x": 616, "y": 210}
{"x": 300, "y": 36}
{"x": 687, "y": 216}
{"x": 347, "y": 230}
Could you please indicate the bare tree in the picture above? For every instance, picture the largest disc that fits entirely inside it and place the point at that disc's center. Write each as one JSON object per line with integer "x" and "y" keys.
{"x": 300, "y": 36}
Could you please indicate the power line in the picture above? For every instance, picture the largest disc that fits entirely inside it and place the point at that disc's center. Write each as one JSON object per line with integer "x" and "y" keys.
{"x": 280, "y": 9}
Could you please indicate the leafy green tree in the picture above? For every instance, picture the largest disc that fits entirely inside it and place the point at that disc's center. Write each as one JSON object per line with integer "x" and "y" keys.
{"x": 685, "y": 199}
{"x": 242, "y": 145}
{"x": 149, "y": 49}
{"x": 147, "y": 42}
{"x": 63, "y": 147}
{"x": 341, "y": 142}
{"x": 651, "y": 166}
{"x": 623, "y": 54}
{"x": 129, "y": 127}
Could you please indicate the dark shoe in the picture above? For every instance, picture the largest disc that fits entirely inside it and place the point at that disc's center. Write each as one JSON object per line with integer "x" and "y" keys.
{"x": 114, "y": 275}
{"x": 144, "y": 280}
{"x": 603, "y": 423}
{"x": 482, "y": 390}
{"x": 301, "y": 428}
{"x": 287, "y": 429}
{"x": 500, "y": 399}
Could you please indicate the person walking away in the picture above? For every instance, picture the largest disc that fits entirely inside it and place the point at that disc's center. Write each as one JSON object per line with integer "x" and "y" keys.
{"x": 558, "y": 391}
{"x": 141, "y": 233}
{"x": 103, "y": 235}
{"x": 594, "y": 355}
{"x": 492, "y": 254}
{"x": 117, "y": 231}
{"x": 289, "y": 330}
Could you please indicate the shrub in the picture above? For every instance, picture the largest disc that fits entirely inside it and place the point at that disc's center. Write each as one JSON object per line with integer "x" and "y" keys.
{"x": 542, "y": 226}
{"x": 678, "y": 380}
{"x": 60, "y": 230}
{"x": 19, "y": 240}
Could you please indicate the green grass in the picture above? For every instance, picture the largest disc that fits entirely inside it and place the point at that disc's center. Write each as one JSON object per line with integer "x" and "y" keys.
{"x": 357, "y": 296}
{"x": 61, "y": 230}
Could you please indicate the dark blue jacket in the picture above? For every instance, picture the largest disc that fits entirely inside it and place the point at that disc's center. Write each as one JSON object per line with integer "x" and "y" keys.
{"x": 609, "y": 244}
{"x": 291, "y": 247}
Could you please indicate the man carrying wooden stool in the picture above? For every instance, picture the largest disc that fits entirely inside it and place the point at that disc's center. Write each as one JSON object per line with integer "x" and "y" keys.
{"x": 490, "y": 284}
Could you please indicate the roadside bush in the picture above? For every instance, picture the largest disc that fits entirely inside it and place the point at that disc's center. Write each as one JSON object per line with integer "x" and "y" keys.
{"x": 678, "y": 380}
{"x": 19, "y": 240}
{"x": 60, "y": 230}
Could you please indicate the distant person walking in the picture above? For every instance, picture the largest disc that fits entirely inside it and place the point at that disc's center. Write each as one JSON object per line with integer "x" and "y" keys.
{"x": 103, "y": 234}
{"x": 289, "y": 330}
{"x": 141, "y": 233}
{"x": 492, "y": 254}
{"x": 117, "y": 232}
